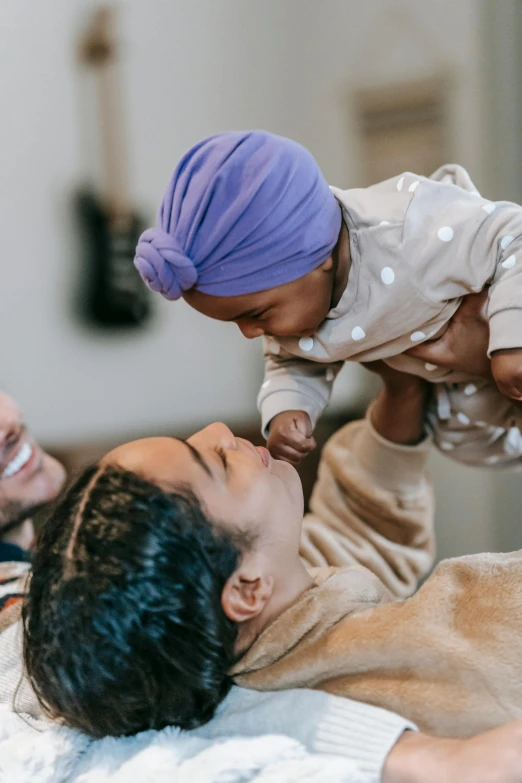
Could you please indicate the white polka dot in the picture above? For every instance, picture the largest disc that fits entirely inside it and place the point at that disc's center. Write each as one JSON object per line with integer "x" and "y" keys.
{"x": 489, "y": 208}
{"x": 416, "y": 336}
{"x": 274, "y": 347}
{"x": 384, "y": 223}
{"x": 513, "y": 442}
{"x": 306, "y": 343}
{"x": 445, "y": 446}
{"x": 510, "y": 262}
{"x": 400, "y": 183}
{"x": 413, "y": 186}
{"x": 430, "y": 367}
{"x": 480, "y": 424}
{"x": 463, "y": 418}
{"x": 445, "y": 234}
{"x": 492, "y": 460}
{"x": 329, "y": 375}
{"x": 387, "y": 275}
{"x": 358, "y": 333}
{"x": 470, "y": 389}
{"x": 506, "y": 241}
{"x": 265, "y": 384}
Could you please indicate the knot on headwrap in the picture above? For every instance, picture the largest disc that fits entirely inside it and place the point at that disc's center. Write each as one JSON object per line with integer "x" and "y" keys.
{"x": 243, "y": 212}
{"x": 163, "y": 266}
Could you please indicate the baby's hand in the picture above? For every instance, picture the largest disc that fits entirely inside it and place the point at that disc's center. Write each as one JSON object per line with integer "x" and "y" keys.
{"x": 506, "y": 367}
{"x": 290, "y": 436}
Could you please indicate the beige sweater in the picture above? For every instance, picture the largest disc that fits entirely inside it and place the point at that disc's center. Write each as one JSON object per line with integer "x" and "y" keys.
{"x": 450, "y": 657}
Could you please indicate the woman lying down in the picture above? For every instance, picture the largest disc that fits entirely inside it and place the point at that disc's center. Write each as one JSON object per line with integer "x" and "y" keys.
{"x": 173, "y": 568}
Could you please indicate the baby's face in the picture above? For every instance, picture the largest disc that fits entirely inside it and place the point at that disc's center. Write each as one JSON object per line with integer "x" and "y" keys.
{"x": 295, "y": 309}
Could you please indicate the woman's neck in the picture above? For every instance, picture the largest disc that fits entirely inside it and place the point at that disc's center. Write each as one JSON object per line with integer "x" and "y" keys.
{"x": 284, "y": 596}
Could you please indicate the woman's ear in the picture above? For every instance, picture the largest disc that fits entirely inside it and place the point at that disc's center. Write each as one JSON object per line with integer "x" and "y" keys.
{"x": 247, "y": 592}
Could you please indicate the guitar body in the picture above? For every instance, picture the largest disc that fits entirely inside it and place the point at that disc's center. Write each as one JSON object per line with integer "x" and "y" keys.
{"x": 113, "y": 294}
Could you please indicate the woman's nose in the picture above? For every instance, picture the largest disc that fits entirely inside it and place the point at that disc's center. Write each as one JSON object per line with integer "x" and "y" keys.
{"x": 218, "y": 434}
{"x": 251, "y": 331}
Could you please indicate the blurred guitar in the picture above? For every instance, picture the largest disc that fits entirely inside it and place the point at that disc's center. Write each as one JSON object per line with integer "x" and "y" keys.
{"x": 113, "y": 294}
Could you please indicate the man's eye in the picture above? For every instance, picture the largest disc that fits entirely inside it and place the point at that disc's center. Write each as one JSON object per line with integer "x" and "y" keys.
{"x": 223, "y": 457}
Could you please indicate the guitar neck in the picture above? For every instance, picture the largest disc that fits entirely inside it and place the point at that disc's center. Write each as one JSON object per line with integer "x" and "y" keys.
{"x": 112, "y": 138}
{"x": 99, "y": 51}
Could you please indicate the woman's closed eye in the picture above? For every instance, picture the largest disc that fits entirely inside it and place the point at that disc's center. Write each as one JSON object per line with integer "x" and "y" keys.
{"x": 223, "y": 456}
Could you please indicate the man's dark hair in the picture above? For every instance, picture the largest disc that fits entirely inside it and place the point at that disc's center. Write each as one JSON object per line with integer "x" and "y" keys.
{"x": 123, "y": 624}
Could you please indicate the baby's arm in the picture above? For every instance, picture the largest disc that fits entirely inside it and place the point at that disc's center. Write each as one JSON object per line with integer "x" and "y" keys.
{"x": 293, "y": 395}
{"x": 505, "y": 304}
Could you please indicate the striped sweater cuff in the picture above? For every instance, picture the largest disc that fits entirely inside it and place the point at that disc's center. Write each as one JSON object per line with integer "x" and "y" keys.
{"x": 364, "y": 733}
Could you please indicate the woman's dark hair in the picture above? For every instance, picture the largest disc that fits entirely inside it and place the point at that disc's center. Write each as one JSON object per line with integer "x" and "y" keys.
{"x": 123, "y": 624}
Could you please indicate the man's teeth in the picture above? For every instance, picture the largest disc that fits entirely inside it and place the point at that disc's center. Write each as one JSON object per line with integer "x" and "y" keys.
{"x": 17, "y": 463}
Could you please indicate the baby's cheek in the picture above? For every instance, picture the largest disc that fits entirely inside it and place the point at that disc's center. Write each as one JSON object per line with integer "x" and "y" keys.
{"x": 305, "y": 320}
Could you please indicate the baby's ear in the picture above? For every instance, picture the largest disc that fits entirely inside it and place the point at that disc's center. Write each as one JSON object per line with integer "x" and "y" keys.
{"x": 327, "y": 265}
{"x": 247, "y": 591}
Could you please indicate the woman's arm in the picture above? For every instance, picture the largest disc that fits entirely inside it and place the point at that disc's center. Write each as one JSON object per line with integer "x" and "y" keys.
{"x": 398, "y": 412}
{"x": 494, "y": 757}
{"x": 372, "y": 503}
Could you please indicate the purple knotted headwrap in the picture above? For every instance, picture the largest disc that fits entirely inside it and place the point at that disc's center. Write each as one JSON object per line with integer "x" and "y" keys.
{"x": 243, "y": 212}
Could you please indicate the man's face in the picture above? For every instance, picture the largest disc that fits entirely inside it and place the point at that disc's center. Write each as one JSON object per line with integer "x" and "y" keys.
{"x": 29, "y": 478}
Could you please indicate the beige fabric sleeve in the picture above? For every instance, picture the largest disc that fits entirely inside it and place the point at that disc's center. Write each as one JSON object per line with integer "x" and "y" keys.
{"x": 469, "y": 242}
{"x": 505, "y": 295}
{"x": 293, "y": 384}
{"x": 372, "y": 505}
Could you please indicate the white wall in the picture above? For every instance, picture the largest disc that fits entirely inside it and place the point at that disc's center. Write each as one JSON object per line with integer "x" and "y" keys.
{"x": 189, "y": 69}
{"x": 74, "y": 384}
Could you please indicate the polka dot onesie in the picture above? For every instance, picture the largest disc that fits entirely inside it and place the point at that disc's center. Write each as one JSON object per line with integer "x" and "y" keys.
{"x": 418, "y": 245}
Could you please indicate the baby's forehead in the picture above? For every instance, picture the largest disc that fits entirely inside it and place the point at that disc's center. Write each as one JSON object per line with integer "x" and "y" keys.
{"x": 229, "y": 308}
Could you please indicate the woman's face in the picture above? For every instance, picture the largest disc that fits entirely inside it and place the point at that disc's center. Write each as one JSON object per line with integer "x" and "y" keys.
{"x": 240, "y": 486}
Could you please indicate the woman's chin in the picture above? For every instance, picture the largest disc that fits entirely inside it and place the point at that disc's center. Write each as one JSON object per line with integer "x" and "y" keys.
{"x": 289, "y": 475}
{"x": 285, "y": 471}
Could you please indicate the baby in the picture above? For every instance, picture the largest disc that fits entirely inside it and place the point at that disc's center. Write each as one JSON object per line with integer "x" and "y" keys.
{"x": 249, "y": 231}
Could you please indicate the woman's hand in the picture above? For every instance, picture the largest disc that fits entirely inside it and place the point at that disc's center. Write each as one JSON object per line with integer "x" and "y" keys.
{"x": 494, "y": 757}
{"x": 463, "y": 346}
{"x": 398, "y": 412}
